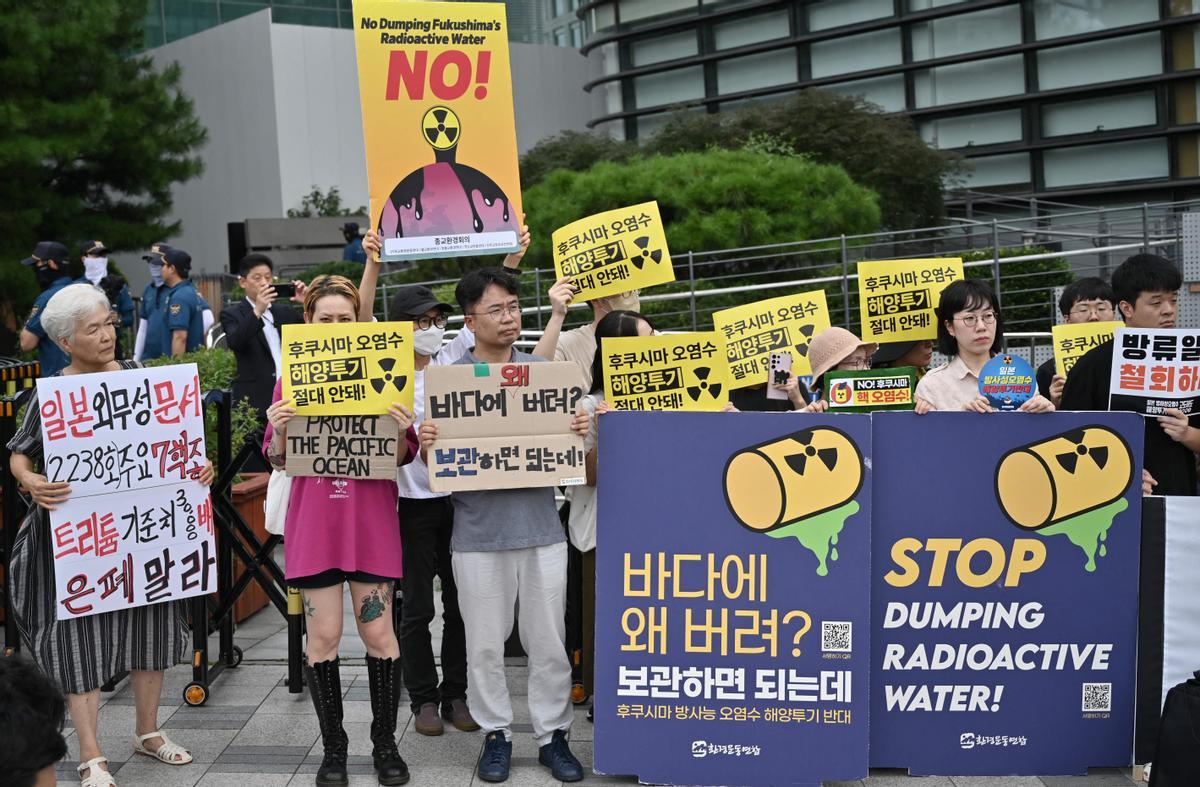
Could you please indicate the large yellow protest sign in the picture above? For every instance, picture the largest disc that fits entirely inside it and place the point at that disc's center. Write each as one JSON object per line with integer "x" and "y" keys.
{"x": 348, "y": 368}
{"x": 750, "y": 333}
{"x": 677, "y": 371}
{"x": 614, "y": 252}
{"x": 897, "y": 298}
{"x": 441, "y": 142}
{"x": 1073, "y": 341}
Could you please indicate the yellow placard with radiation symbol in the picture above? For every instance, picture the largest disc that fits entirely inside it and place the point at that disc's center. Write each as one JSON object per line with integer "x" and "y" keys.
{"x": 614, "y": 252}
{"x": 441, "y": 141}
{"x": 350, "y": 368}
{"x": 752, "y": 332}
{"x": 897, "y": 298}
{"x": 678, "y": 371}
{"x": 1073, "y": 341}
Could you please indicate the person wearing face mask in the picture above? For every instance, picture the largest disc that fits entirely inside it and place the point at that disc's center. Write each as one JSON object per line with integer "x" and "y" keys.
{"x": 579, "y": 344}
{"x": 49, "y": 261}
{"x": 94, "y": 256}
{"x": 148, "y": 344}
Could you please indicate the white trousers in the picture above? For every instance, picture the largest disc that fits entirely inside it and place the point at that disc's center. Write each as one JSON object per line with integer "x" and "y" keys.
{"x": 489, "y": 586}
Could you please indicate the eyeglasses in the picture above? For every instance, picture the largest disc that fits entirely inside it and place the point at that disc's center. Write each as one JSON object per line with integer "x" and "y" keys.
{"x": 423, "y": 323}
{"x": 971, "y": 320}
{"x": 856, "y": 363}
{"x": 497, "y": 312}
{"x": 1098, "y": 309}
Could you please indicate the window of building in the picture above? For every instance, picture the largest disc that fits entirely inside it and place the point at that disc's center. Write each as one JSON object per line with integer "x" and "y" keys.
{"x": 1005, "y": 170}
{"x": 1144, "y": 159}
{"x": 184, "y": 17}
{"x": 647, "y": 51}
{"x": 752, "y": 30}
{"x": 836, "y": 13}
{"x": 957, "y": 35}
{"x": 855, "y": 53}
{"x": 294, "y": 15}
{"x": 962, "y": 131}
{"x": 604, "y": 17}
{"x": 756, "y": 71}
{"x": 577, "y": 34}
{"x": 669, "y": 87}
{"x": 561, "y": 36}
{"x": 982, "y": 79}
{"x": 925, "y": 5}
{"x": 1100, "y": 61}
{"x": 637, "y": 10}
{"x": 887, "y": 92}
{"x": 231, "y": 11}
{"x": 1100, "y": 114}
{"x": 1054, "y": 18}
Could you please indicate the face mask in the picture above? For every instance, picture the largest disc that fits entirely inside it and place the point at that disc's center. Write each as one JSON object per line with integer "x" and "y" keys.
{"x": 428, "y": 341}
{"x": 95, "y": 269}
{"x": 47, "y": 276}
{"x": 626, "y": 301}
{"x": 156, "y": 275}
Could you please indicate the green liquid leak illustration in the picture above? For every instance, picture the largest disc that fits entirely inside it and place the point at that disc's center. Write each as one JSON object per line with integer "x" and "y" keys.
{"x": 1089, "y": 531}
{"x": 819, "y": 534}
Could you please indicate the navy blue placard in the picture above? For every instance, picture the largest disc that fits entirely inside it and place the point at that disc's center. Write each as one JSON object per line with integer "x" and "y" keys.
{"x": 1054, "y": 501}
{"x": 779, "y": 506}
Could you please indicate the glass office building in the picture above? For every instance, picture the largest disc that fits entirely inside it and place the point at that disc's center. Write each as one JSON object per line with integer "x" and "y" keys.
{"x": 1044, "y": 96}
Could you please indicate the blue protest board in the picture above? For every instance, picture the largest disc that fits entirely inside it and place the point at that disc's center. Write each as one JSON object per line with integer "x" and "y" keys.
{"x": 1004, "y": 595}
{"x": 1007, "y": 381}
{"x": 732, "y": 606}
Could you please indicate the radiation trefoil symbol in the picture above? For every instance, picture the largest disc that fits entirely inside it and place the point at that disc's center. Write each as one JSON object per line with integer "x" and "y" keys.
{"x": 703, "y": 386}
{"x": 644, "y": 253}
{"x": 807, "y": 332}
{"x": 441, "y": 128}
{"x": 386, "y": 365}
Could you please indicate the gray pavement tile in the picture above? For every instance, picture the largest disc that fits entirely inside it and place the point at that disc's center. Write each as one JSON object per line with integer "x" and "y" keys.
{"x": 361, "y": 769}
{"x": 213, "y": 779}
{"x": 452, "y": 748}
{"x": 530, "y": 776}
{"x": 305, "y": 779}
{"x": 360, "y": 736}
{"x": 204, "y": 724}
{"x": 594, "y": 780}
{"x": 298, "y": 751}
{"x": 205, "y": 744}
{"x": 258, "y": 767}
{"x": 441, "y": 775}
{"x": 894, "y": 778}
{"x": 844, "y": 784}
{"x": 145, "y": 771}
{"x": 996, "y": 781}
{"x": 520, "y": 727}
{"x": 265, "y": 759}
{"x": 1096, "y": 777}
{"x": 269, "y": 730}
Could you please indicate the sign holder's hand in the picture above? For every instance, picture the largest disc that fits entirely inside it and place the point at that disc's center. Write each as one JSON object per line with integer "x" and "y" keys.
{"x": 978, "y": 405}
{"x": 562, "y": 292}
{"x": 46, "y": 494}
{"x": 403, "y": 416}
{"x": 513, "y": 260}
{"x": 373, "y": 245}
{"x": 207, "y": 474}
{"x": 1175, "y": 424}
{"x": 819, "y": 406}
{"x": 301, "y": 288}
{"x": 923, "y": 406}
{"x": 1038, "y": 404}
{"x": 266, "y": 296}
{"x": 1057, "y": 383}
{"x": 580, "y": 422}
{"x": 1148, "y": 483}
{"x": 280, "y": 413}
{"x": 427, "y": 436}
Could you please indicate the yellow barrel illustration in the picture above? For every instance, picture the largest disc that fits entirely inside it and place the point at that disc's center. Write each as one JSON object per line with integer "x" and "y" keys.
{"x": 806, "y": 473}
{"x": 1063, "y": 476}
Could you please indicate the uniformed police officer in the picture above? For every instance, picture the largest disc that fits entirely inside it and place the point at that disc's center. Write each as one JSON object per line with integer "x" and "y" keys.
{"x": 183, "y": 324}
{"x": 150, "y": 329}
{"x": 94, "y": 256}
{"x": 49, "y": 259}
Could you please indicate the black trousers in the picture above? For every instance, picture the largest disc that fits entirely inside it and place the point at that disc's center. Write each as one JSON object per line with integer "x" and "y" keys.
{"x": 425, "y": 528}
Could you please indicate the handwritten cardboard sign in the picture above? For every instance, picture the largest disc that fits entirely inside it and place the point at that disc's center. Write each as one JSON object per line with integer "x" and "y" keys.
{"x": 138, "y": 527}
{"x": 897, "y": 298}
{"x": 349, "y": 368}
{"x": 1155, "y": 370}
{"x": 614, "y": 252}
{"x": 752, "y": 332}
{"x": 675, "y": 371}
{"x": 1072, "y": 341}
{"x": 343, "y": 446}
{"x": 504, "y": 426}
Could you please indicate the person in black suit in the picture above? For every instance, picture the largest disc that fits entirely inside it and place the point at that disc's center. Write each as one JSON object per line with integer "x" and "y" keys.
{"x": 253, "y": 332}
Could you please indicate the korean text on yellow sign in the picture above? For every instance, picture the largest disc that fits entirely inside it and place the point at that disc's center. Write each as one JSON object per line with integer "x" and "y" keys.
{"x": 897, "y": 298}
{"x": 350, "y": 368}
{"x": 678, "y": 371}
{"x": 614, "y": 252}
{"x": 1073, "y": 341}
{"x": 752, "y": 332}
{"x": 441, "y": 141}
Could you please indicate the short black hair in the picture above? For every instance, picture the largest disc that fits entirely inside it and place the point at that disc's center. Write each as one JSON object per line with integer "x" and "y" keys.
{"x": 1086, "y": 289}
{"x": 965, "y": 295}
{"x": 472, "y": 286}
{"x": 615, "y": 323}
{"x": 1145, "y": 273}
{"x": 252, "y": 261}
{"x": 31, "y": 721}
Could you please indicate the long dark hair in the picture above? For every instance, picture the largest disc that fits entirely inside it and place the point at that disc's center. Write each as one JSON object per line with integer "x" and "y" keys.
{"x": 615, "y": 323}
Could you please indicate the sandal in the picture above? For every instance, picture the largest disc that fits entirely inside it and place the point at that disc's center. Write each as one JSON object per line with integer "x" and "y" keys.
{"x": 96, "y": 777}
{"x": 171, "y": 753}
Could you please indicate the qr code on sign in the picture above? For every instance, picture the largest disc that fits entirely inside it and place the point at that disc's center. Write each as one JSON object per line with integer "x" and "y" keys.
{"x": 1097, "y": 697}
{"x": 835, "y": 636}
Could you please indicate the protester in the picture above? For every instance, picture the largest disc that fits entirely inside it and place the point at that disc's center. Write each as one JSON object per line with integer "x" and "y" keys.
{"x": 1146, "y": 288}
{"x": 337, "y": 531}
{"x": 353, "y": 252}
{"x": 183, "y": 318}
{"x": 579, "y": 344}
{"x": 753, "y": 398}
{"x": 508, "y": 547}
{"x": 94, "y": 256}
{"x": 835, "y": 348}
{"x": 82, "y": 653}
{"x": 970, "y": 332}
{"x": 894, "y": 355}
{"x": 1085, "y": 300}
{"x": 31, "y": 724}
{"x": 49, "y": 260}
{"x": 148, "y": 344}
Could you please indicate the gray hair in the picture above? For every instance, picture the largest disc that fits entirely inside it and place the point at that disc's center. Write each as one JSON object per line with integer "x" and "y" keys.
{"x": 69, "y": 307}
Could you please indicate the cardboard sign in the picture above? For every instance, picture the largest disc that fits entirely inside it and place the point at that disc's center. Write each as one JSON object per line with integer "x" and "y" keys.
{"x": 343, "y": 446}
{"x": 349, "y": 368}
{"x": 752, "y": 332}
{"x": 614, "y": 252}
{"x": 1155, "y": 370}
{"x": 677, "y": 371}
{"x": 504, "y": 426}
{"x": 1007, "y": 382}
{"x": 897, "y": 298}
{"x": 138, "y": 527}
{"x": 1004, "y": 617}
{"x": 441, "y": 140}
{"x": 1073, "y": 341}
{"x": 732, "y": 577}
{"x": 873, "y": 389}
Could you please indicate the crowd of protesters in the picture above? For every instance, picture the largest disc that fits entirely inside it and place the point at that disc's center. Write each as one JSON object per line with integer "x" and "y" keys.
{"x": 490, "y": 550}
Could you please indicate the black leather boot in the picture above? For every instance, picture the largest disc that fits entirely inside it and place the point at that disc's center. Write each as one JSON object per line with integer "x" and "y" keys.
{"x": 384, "y": 676}
{"x": 325, "y": 688}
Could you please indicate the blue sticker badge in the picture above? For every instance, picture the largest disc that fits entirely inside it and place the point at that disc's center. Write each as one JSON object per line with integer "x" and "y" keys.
{"x": 1007, "y": 381}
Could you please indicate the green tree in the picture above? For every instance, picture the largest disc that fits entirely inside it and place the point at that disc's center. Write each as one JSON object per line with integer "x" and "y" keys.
{"x": 571, "y": 150}
{"x": 319, "y": 203}
{"x": 1026, "y": 286}
{"x": 92, "y": 135}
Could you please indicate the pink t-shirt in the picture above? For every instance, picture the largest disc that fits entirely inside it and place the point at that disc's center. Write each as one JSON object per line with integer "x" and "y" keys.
{"x": 342, "y": 523}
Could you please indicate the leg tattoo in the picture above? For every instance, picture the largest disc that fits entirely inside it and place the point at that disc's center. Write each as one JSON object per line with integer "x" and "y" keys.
{"x": 309, "y": 609}
{"x": 375, "y": 602}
